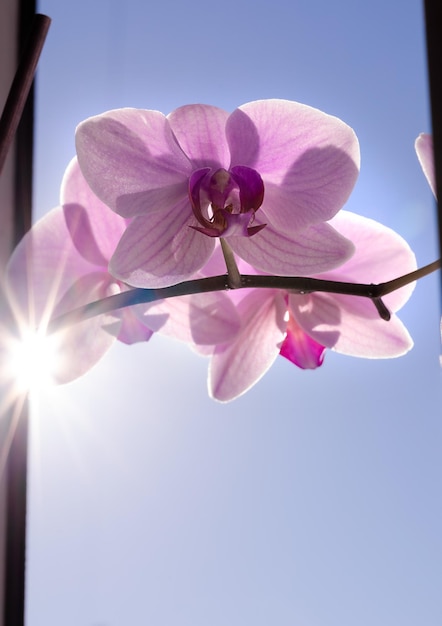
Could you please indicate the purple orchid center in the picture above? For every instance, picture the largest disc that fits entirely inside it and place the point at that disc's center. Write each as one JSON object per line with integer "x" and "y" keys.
{"x": 225, "y": 202}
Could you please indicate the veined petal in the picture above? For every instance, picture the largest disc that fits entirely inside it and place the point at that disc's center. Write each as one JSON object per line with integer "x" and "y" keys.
{"x": 82, "y": 345}
{"x": 93, "y": 227}
{"x": 425, "y": 154}
{"x": 200, "y": 131}
{"x": 309, "y": 161}
{"x": 350, "y": 325}
{"x": 132, "y": 161}
{"x": 158, "y": 252}
{"x": 43, "y": 266}
{"x": 236, "y": 366}
{"x": 380, "y": 255}
{"x": 201, "y": 319}
{"x": 293, "y": 254}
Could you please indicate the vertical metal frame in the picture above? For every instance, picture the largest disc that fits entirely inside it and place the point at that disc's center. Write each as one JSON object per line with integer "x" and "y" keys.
{"x": 433, "y": 21}
{"x": 16, "y": 214}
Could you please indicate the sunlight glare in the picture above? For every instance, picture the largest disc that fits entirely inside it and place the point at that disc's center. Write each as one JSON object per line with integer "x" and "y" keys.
{"x": 33, "y": 361}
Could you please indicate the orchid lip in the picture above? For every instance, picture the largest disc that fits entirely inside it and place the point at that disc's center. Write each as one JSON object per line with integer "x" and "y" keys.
{"x": 225, "y": 202}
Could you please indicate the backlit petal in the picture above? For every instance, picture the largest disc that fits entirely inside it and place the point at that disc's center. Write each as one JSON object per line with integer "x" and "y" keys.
{"x": 350, "y": 325}
{"x": 425, "y": 154}
{"x": 315, "y": 249}
{"x": 132, "y": 330}
{"x": 309, "y": 160}
{"x": 200, "y": 131}
{"x": 94, "y": 228}
{"x": 201, "y": 319}
{"x": 132, "y": 161}
{"x": 82, "y": 345}
{"x": 380, "y": 255}
{"x": 236, "y": 366}
{"x": 44, "y": 266}
{"x": 154, "y": 252}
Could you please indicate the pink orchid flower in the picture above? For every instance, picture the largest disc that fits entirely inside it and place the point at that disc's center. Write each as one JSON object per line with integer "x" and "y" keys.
{"x": 266, "y": 178}
{"x": 62, "y": 263}
{"x": 301, "y": 327}
{"x": 424, "y": 150}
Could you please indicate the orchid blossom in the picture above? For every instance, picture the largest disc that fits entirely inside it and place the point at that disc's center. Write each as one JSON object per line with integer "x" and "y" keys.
{"x": 266, "y": 178}
{"x": 301, "y": 326}
{"x": 62, "y": 263}
{"x": 424, "y": 150}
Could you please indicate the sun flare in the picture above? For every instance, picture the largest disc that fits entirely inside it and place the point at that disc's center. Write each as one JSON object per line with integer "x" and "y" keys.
{"x": 33, "y": 359}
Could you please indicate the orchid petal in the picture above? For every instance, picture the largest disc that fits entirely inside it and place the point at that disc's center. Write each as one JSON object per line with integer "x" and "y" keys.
{"x": 301, "y": 349}
{"x": 309, "y": 161}
{"x": 45, "y": 278}
{"x": 154, "y": 252}
{"x": 82, "y": 345}
{"x": 80, "y": 231}
{"x": 236, "y": 366}
{"x": 43, "y": 267}
{"x": 251, "y": 187}
{"x": 132, "y": 161}
{"x": 94, "y": 228}
{"x": 425, "y": 154}
{"x": 201, "y": 319}
{"x": 315, "y": 249}
{"x": 350, "y": 325}
{"x": 200, "y": 131}
{"x": 132, "y": 330}
{"x": 380, "y": 255}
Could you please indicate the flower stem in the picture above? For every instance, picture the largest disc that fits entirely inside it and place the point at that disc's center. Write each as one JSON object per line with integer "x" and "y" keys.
{"x": 299, "y": 285}
{"x": 234, "y": 277}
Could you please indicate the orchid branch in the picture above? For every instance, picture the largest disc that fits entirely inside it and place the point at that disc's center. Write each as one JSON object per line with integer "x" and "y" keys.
{"x": 300, "y": 285}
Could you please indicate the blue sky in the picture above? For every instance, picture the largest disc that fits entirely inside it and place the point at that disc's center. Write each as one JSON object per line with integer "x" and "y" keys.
{"x": 313, "y": 500}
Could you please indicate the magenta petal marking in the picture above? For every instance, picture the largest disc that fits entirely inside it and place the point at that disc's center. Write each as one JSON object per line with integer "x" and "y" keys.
{"x": 195, "y": 183}
{"x": 252, "y": 230}
{"x": 231, "y": 215}
{"x": 301, "y": 349}
{"x": 251, "y": 187}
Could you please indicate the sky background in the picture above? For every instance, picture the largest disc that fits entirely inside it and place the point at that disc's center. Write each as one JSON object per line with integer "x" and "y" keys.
{"x": 313, "y": 500}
